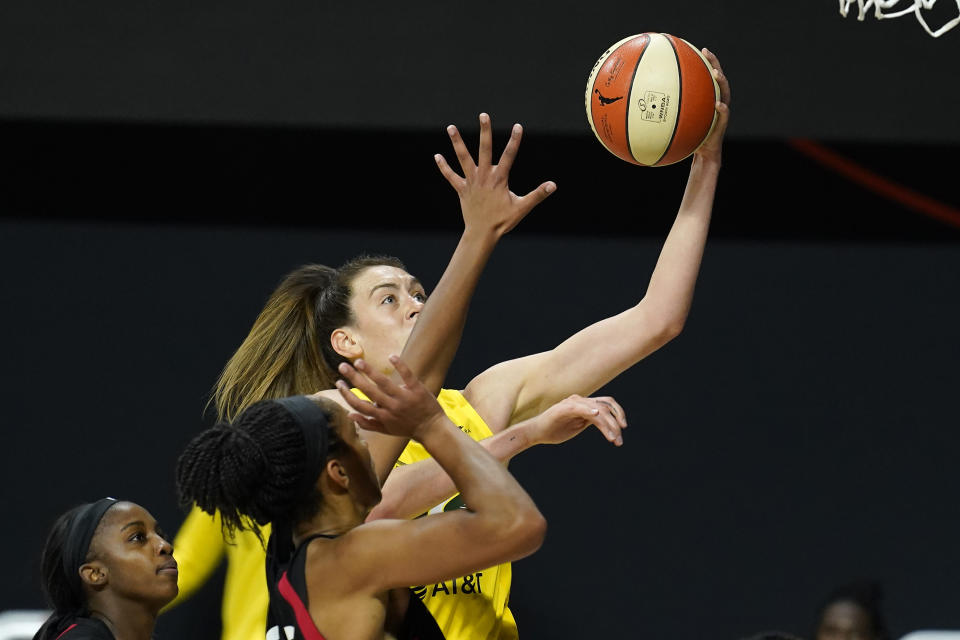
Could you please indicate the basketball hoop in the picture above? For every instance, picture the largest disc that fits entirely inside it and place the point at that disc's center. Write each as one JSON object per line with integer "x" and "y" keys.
{"x": 883, "y": 9}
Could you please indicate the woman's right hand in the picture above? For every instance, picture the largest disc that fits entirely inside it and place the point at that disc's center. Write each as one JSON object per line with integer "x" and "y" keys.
{"x": 485, "y": 197}
{"x": 570, "y": 416}
{"x": 397, "y": 410}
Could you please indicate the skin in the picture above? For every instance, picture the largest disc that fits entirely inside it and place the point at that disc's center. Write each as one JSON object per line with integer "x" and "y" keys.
{"x": 131, "y": 573}
{"x": 845, "y": 621}
{"x": 427, "y": 336}
{"x": 375, "y": 562}
{"x": 510, "y": 394}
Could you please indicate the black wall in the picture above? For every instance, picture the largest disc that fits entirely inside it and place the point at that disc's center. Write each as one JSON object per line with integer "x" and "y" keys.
{"x": 798, "y": 68}
{"x": 800, "y": 431}
{"x": 163, "y": 164}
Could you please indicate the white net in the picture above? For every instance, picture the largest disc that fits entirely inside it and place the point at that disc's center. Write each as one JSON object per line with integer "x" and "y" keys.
{"x": 896, "y": 8}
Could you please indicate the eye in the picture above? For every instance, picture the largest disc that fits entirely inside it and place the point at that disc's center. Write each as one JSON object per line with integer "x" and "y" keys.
{"x": 138, "y": 536}
{"x": 420, "y": 297}
{"x": 388, "y": 300}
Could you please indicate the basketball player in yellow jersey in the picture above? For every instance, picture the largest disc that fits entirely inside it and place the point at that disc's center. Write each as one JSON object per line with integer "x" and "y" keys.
{"x": 289, "y": 352}
{"x": 377, "y": 312}
{"x": 512, "y": 392}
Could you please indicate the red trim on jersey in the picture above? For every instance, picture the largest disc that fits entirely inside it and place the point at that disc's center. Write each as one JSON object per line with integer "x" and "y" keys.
{"x": 65, "y": 631}
{"x": 304, "y": 621}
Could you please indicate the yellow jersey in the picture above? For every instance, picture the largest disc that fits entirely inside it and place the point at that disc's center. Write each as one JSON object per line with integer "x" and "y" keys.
{"x": 472, "y": 607}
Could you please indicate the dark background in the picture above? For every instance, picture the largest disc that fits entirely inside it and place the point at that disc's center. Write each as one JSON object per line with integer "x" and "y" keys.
{"x": 164, "y": 164}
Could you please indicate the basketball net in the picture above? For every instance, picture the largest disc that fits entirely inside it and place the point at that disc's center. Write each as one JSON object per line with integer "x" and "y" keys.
{"x": 887, "y": 9}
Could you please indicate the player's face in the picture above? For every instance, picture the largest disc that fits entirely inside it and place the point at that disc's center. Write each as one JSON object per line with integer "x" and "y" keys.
{"x": 844, "y": 621}
{"x": 386, "y": 303}
{"x": 138, "y": 559}
{"x": 364, "y": 485}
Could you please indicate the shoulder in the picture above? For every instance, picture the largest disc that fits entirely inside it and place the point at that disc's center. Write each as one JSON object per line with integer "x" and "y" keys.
{"x": 463, "y": 414}
{"x": 333, "y": 395}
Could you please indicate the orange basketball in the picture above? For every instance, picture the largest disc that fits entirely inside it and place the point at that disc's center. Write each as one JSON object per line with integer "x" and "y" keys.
{"x": 650, "y": 99}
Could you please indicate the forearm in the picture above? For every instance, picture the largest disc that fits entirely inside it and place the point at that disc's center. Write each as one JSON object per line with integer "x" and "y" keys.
{"x": 436, "y": 336}
{"x": 416, "y": 488}
{"x": 670, "y": 291}
{"x": 484, "y": 483}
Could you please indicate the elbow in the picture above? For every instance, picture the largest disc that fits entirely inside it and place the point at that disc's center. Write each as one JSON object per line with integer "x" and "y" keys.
{"x": 386, "y": 509}
{"x": 536, "y": 531}
{"x": 672, "y": 328}
{"x": 527, "y": 531}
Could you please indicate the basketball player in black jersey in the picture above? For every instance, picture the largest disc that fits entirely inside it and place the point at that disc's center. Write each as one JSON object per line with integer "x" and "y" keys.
{"x": 107, "y": 571}
{"x": 301, "y": 464}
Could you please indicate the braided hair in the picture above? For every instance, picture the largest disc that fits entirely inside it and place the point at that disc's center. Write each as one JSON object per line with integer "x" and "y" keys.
{"x": 252, "y": 470}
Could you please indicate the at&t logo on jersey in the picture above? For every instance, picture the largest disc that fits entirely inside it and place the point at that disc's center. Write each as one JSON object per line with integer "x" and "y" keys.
{"x": 468, "y": 585}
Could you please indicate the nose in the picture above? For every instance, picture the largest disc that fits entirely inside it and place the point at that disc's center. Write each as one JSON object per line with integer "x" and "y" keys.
{"x": 165, "y": 547}
{"x": 415, "y": 309}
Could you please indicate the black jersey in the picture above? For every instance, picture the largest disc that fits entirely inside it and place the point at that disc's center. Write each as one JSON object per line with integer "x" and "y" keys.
{"x": 288, "y": 617}
{"x": 86, "y": 629}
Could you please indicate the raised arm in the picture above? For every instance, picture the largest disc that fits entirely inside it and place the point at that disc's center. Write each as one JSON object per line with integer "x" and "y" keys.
{"x": 489, "y": 210}
{"x": 415, "y": 488}
{"x": 518, "y": 389}
{"x": 500, "y": 524}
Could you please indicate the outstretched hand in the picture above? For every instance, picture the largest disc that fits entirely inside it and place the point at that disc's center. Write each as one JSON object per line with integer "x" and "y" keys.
{"x": 711, "y": 148}
{"x": 395, "y": 410}
{"x": 485, "y": 197}
{"x": 570, "y": 416}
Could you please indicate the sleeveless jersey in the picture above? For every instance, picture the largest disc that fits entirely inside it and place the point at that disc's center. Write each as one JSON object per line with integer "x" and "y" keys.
{"x": 288, "y": 617}
{"x": 470, "y": 607}
{"x": 86, "y": 629}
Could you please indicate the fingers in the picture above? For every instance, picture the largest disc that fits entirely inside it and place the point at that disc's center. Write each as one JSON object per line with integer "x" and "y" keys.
{"x": 614, "y": 407}
{"x": 366, "y": 422}
{"x": 452, "y": 176}
{"x": 486, "y": 142}
{"x": 354, "y": 401}
{"x": 409, "y": 378}
{"x": 463, "y": 156}
{"x": 510, "y": 151}
{"x": 607, "y": 415}
{"x": 720, "y": 76}
{"x": 538, "y": 195}
{"x": 373, "y": 384}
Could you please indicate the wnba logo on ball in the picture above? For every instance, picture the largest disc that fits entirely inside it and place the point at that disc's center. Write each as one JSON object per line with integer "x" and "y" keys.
{"x": 654, "y": 106}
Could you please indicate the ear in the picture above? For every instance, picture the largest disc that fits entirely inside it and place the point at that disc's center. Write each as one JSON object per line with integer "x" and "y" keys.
{"x": 346, "y": 343}
{"x": 94, "y": 575}
{"x": 338, "y": 474}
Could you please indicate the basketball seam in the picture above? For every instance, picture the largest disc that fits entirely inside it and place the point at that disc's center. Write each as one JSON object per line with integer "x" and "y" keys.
{"x": 626, "y": 117}
{"x": 676, "y": 120}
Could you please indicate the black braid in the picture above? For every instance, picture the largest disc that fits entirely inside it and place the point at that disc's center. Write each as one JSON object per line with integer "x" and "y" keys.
{"x": 250, "y": 470}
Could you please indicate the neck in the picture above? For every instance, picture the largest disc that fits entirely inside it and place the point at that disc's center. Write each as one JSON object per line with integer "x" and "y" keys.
{"x": 126, "y": 620}
{"x": 338, "y": 515}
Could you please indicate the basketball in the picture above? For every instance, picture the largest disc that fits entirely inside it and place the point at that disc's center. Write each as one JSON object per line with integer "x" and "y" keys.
{"x": 650, "y": 99}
